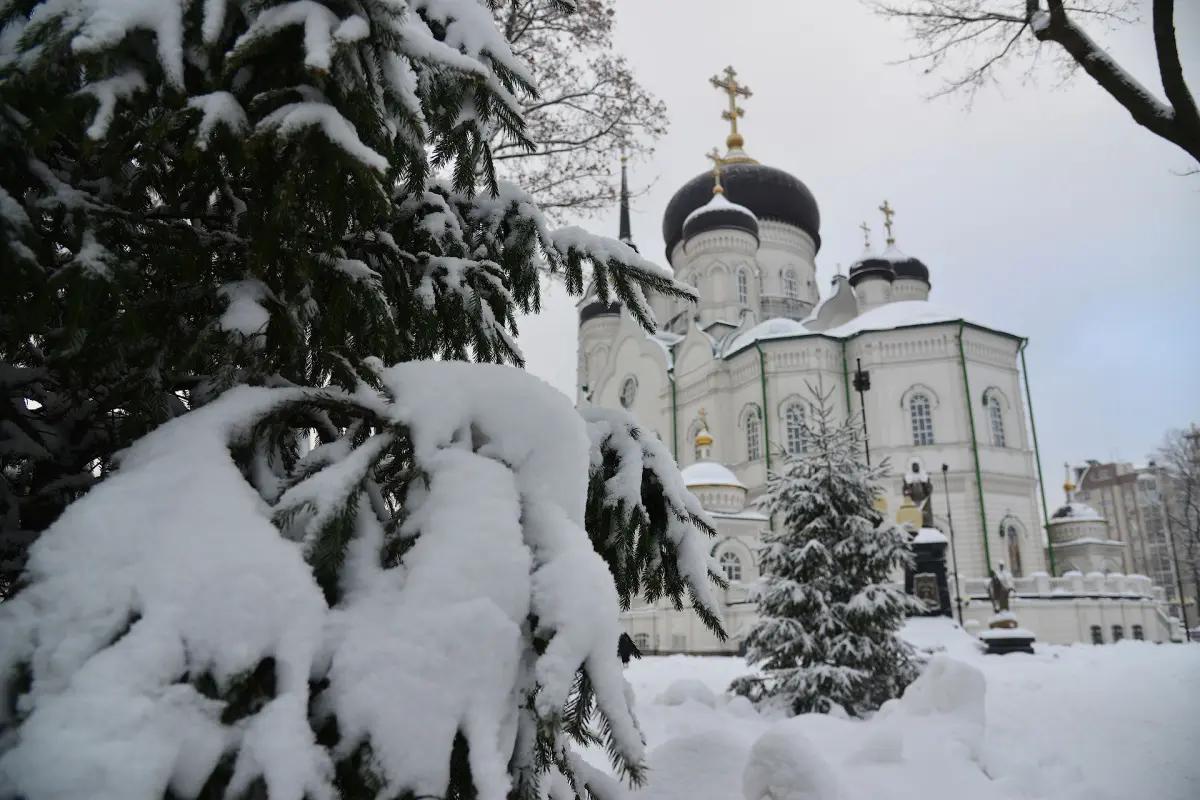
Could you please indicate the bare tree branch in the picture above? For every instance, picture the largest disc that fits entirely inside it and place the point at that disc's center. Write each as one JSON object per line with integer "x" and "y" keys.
{"x": 996, "y": 33}
{"x": 591, "y": 108}
{"x": 1179, "y": 461}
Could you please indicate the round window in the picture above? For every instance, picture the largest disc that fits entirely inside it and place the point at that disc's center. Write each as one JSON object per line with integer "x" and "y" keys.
{"x": 628, "y": 391}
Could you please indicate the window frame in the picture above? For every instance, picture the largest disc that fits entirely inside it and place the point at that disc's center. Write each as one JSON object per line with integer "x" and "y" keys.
{"x": 790, "y": 284}
{"x": 794, "y": 420}
{"x": 731, "y": 559}
{"x": 921, "y": 425}
{"x": 742, "y": 285}
{"x": 996, "y": 418}
{"x": 752, "y": 422}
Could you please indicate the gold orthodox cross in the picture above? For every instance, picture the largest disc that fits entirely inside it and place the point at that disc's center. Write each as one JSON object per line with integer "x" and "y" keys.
{"x": 731, "y": 87}
{"x": 703, "y": 420}
{"x": 718, "y": 162}
{"x": 888, "y": 213}
{"x": 866, "y": 229}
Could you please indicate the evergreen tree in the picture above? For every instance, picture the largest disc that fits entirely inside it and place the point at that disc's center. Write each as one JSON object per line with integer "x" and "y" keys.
{"x": 828, "y": 614}
{"x": 228, "y": 218}
{"x": 199, "y": 195}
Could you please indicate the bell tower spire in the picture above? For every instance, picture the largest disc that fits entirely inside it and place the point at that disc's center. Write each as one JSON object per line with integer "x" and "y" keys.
{"x": 625, "y": 234}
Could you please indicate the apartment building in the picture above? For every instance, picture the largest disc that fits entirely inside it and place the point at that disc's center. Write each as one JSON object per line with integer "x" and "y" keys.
{"x": 1131, "y": 499}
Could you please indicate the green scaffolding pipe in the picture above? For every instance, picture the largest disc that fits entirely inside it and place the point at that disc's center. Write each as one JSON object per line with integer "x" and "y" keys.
{"x": 674, "y": 416}
{"x": 1037, "y": 455}
{"x": 962, "y": 354}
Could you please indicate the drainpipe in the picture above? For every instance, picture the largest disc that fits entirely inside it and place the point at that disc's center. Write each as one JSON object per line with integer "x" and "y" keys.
{"x": 762, "y": 375}
{"x": 846, "y": 381}
{"x": 1037, "y": 454}
{"x": 674, "y": 416}
{"x": 962, "y": 354}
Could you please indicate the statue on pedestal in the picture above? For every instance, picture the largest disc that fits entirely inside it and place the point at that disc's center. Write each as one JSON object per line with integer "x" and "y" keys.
{"x": 918, "y": 487}
{"x": 1000, "y": 589}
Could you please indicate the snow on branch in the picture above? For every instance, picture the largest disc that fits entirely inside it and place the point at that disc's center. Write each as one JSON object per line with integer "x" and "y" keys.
{"x": 172, "y": 627}
{"x": 645, "y": 522}
{"x": 617, "y": 269}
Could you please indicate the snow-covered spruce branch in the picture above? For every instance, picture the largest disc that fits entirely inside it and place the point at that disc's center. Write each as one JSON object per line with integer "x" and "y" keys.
{"x": 645, "y": 522}
{"x": 264, "y": 635}
{"x": 997, "y": 32}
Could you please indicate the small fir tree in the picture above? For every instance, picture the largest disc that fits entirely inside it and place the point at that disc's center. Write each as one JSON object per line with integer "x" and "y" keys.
{"x": 828, "y": 614}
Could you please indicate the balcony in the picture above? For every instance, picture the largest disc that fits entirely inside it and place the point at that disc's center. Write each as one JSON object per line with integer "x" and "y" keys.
{"x": 777, "y": 305}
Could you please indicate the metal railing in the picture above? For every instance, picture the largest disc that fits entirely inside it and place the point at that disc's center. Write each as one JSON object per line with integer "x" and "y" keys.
{"x": 777, "y": 305}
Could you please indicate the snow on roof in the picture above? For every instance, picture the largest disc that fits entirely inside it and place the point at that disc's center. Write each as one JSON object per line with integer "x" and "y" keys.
{"x": 1075, "y": 512}
{"x": 902, "y": 314}
{"x": 666, "y": 341}
{"x": 777, "y": 328}
{"x": 893, "y": 254}
{"x": 709, "y": 473}
{"x": 719, "y": 203}
{"x": 929, "y": 536}
{"x": 748, "y": 515}
{"x": 1091, "y": 540}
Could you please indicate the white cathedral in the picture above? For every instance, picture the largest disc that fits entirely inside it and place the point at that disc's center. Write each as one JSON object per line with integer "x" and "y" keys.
{"x": 726, "y": 381}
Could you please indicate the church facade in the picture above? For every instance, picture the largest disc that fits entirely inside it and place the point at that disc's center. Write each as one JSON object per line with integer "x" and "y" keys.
{"x": 727, "y": 381}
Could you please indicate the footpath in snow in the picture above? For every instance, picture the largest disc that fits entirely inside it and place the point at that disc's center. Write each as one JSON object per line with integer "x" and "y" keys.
{"x": 1067, "y": 723}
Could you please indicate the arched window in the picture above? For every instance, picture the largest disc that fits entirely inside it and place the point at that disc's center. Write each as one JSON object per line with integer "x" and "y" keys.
{"x": 1014, "y": 552}
{"x": 743, "y": 286}
{"x": 921, "y": 413}
{"x": 642, "y": 641}
{"x": 753, "y": 424}
{"x": 791, "y": 286}
{"x": 996, "y": 414}
{"x": 731, "y": 565}
{"x": 1097, "y": 635}
{"x": 1118, "y": 633}
{"x": 793, "y": 419}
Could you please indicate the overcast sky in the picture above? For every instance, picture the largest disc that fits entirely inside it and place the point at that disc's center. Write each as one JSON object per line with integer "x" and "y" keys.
{"x": 1044, "y": 210}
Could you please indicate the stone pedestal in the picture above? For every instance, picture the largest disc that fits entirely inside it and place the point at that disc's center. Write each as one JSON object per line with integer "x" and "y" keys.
{"x": 926, "y": 579}
{"x": 1004, "y": 635}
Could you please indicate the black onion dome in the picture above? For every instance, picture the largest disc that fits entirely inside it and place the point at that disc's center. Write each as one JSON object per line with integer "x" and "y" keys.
{"x": 720, "y": 214}
{"x": 771, "y": 194}
{"x": 597, "y": 309}
{"x": 911, "y": 268}
{"x": 872, "y": 267}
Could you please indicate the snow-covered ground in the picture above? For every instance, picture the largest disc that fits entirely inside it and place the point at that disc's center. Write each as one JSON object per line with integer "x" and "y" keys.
{"x": 1068, "y": 723}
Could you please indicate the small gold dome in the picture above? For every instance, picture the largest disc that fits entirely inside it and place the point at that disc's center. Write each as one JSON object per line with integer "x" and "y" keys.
{"x": 734, "y": 141}
{"x": 703, "y": 439}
